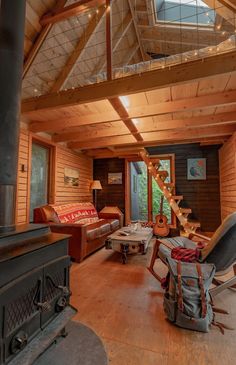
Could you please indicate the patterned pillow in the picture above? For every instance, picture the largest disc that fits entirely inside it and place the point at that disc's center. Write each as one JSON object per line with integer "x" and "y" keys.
{"x": 76, "y": 213}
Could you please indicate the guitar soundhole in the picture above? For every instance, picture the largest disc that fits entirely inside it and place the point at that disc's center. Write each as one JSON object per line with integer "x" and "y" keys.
{"x": 161, "y": 221}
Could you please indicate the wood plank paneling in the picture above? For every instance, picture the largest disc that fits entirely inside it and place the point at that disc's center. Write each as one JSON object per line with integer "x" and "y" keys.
{"x": 228, "y": 177}
{"x": 202, "y": 196}
{"x": 112, "y": 195}
{"x": 63, "y": 194}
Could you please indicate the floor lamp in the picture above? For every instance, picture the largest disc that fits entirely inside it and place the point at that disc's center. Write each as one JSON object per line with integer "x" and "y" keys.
{"x": 96, "y": 185}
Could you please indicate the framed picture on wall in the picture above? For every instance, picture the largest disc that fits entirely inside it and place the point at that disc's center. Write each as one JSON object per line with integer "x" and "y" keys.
{"x": 71, "y": 177}
{"x": 196, "y": 169}
{"x": 114, "y": 178}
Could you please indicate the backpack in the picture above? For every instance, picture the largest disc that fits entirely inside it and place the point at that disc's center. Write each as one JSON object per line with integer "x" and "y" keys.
{"x": 187, "y": 302}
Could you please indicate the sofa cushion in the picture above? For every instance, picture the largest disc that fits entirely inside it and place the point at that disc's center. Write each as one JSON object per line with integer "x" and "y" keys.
{"x": 105, "y": 228}
{"x": 94, "y": 233}
{"x": 82, "y": 213}
{"x": 115, "y": 223}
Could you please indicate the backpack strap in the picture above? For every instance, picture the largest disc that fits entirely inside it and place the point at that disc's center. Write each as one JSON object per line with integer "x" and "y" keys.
{"x": 201, "y": 286}
{"x": 180, "y": 296}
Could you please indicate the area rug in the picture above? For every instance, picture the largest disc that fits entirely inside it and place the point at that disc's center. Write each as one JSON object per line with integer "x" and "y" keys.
{"x": 81, "y": 347}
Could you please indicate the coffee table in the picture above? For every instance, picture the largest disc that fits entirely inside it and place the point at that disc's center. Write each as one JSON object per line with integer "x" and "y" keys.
{"x": 135, "y": 242}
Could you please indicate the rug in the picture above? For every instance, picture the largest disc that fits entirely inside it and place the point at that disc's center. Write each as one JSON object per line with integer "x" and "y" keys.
{"x": 81, "y": 347}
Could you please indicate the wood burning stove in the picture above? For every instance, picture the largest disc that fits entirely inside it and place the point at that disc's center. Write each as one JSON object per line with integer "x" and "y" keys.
{"x": 34, "y": 287}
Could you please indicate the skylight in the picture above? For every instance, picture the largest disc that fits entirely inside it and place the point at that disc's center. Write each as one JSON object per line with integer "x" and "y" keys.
{"x": 184, "y": 12}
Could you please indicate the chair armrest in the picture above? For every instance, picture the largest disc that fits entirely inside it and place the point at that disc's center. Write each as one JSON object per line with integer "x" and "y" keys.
{"x": 205, "y": 238}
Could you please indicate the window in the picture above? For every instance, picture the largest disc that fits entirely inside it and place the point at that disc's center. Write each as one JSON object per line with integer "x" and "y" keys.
{"x": 192, "y": 12}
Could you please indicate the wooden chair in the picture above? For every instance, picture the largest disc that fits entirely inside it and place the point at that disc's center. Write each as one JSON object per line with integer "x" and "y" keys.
{"x": 220, "y": 250}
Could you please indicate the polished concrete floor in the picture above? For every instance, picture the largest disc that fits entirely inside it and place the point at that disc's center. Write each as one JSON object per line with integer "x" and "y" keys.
{"x": 123, "y": 305}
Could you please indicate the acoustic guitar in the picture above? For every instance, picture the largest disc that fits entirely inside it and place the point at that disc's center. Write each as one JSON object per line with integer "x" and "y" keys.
{"x": 161, "y": 227}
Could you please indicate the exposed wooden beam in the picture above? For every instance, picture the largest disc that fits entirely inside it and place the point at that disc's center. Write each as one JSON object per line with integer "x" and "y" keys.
{"x": 224, "y": 9}
{"x": 144, "y": 56}
{"x": 108, "y": 40}
{"x": 200, "y": 121}
{"x": 155, "y": 138}
{"x": 83, "y": 135}
{"x": 83, "y": 41}
{"x": 150, "y": 80}
{"x": 39, "y": 41}
{"x": 100, "y": 142}
{"x": 143, "y": 111}
{"x": 122, "y": 112}
{"x": 182, "y": 134}
{"x": 70, "y": 10}
{"x": 116, "y": 41}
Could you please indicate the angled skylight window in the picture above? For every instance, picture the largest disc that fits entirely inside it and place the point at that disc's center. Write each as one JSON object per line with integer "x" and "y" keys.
{"x": 184, "y": 12}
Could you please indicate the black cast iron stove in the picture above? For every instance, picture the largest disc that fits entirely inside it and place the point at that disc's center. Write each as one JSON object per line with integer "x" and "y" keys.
{"x": 34, "y": 291}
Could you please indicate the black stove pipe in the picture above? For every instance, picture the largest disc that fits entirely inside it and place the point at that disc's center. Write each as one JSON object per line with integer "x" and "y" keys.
{"x": 12, "y": 23}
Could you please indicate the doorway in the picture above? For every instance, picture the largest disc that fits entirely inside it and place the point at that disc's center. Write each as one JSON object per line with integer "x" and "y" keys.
{"x": 144, "y": 195}
{"x": 40, "y": 173}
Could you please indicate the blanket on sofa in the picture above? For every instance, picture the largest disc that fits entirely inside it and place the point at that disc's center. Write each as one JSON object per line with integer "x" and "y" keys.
{"x": 81, "y": 213}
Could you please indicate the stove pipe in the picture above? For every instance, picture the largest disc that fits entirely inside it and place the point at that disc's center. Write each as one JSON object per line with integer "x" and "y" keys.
{"x": 12, "y": 22}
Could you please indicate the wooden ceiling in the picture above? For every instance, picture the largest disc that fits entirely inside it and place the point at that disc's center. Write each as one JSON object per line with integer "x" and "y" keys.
{"x": 187, "y": 103}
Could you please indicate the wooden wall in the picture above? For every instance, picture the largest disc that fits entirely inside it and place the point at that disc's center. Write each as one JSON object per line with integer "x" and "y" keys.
{"x": 227, "y": 157}
{"x": 113, "y": 195}
{"x": 63, "y": 194}
{"x": 202, "y": 196}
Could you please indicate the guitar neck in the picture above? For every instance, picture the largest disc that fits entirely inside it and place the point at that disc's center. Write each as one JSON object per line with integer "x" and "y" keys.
{"x": 161, "y": 205}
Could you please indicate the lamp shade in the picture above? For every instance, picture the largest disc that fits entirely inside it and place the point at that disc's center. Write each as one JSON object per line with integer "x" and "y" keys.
{"x": 96, "y": 185}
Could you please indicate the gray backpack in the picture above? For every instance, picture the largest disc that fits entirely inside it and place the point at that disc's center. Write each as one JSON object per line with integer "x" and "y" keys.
{"x": 187, "y": 301}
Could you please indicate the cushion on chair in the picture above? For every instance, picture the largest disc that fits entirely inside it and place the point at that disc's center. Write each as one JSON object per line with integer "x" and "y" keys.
{"x": 165, "y": 252}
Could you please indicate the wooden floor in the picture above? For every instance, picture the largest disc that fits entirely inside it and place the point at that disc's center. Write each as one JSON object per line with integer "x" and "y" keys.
{"x": 123, "y": 304}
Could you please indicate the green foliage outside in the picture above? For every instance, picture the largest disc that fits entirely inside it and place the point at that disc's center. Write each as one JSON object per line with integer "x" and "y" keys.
{"x": 156, "y": 194}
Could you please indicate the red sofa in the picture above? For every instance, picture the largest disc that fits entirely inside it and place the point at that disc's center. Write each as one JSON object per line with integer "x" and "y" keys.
{"x": 88, "y": 230}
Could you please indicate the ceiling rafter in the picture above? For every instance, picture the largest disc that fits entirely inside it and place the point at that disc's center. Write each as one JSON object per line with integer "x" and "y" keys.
{"x": 143, "y": 127}
{"x": 151, "y": 138}
{"x": 122, "y": 112}
{"x": 143, "y": 111}
{"x": 156, "y": 137}
{"x": 223, "y": 9}
{"x": 143, "y": 54}
{"x": 77, "y": 52}
{"x": 39, "y": 41}
{"x": 74, "y": 9}
{"x": 155, "y": 79}
{"x": 116, "y": 41}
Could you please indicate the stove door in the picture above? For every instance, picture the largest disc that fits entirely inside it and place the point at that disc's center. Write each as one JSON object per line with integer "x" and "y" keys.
{"x": 19, "y": 312}
{"x": 56, "y": 292}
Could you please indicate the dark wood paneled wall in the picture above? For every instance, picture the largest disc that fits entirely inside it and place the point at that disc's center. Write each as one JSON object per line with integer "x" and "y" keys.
{"x": 113, "y": 195}
{"x": 202, "y": 196}
{"x": 228, "y": 177}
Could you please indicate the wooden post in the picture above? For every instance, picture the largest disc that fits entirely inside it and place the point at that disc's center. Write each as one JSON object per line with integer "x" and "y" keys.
{"x": 108, "y": 40}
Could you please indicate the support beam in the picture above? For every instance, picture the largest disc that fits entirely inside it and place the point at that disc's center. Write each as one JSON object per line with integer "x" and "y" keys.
{"x": 155, "y": 138}
{"x": 222, "y": 8}
{"x": 150, "y": 80}
{"x": 70, "y": 10}
{"x": 222, "y": 118}
{"x": 82, "y": 135}
{"x": 103, "y": 142}
{"x": 144, "y": 56}
{"x": 108, "y": 40}
{"x": 122, "y": 112}
{"x": 116, "y": 41}
{"x": 83, "y": 41}
{"x": 39, "y": 41}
